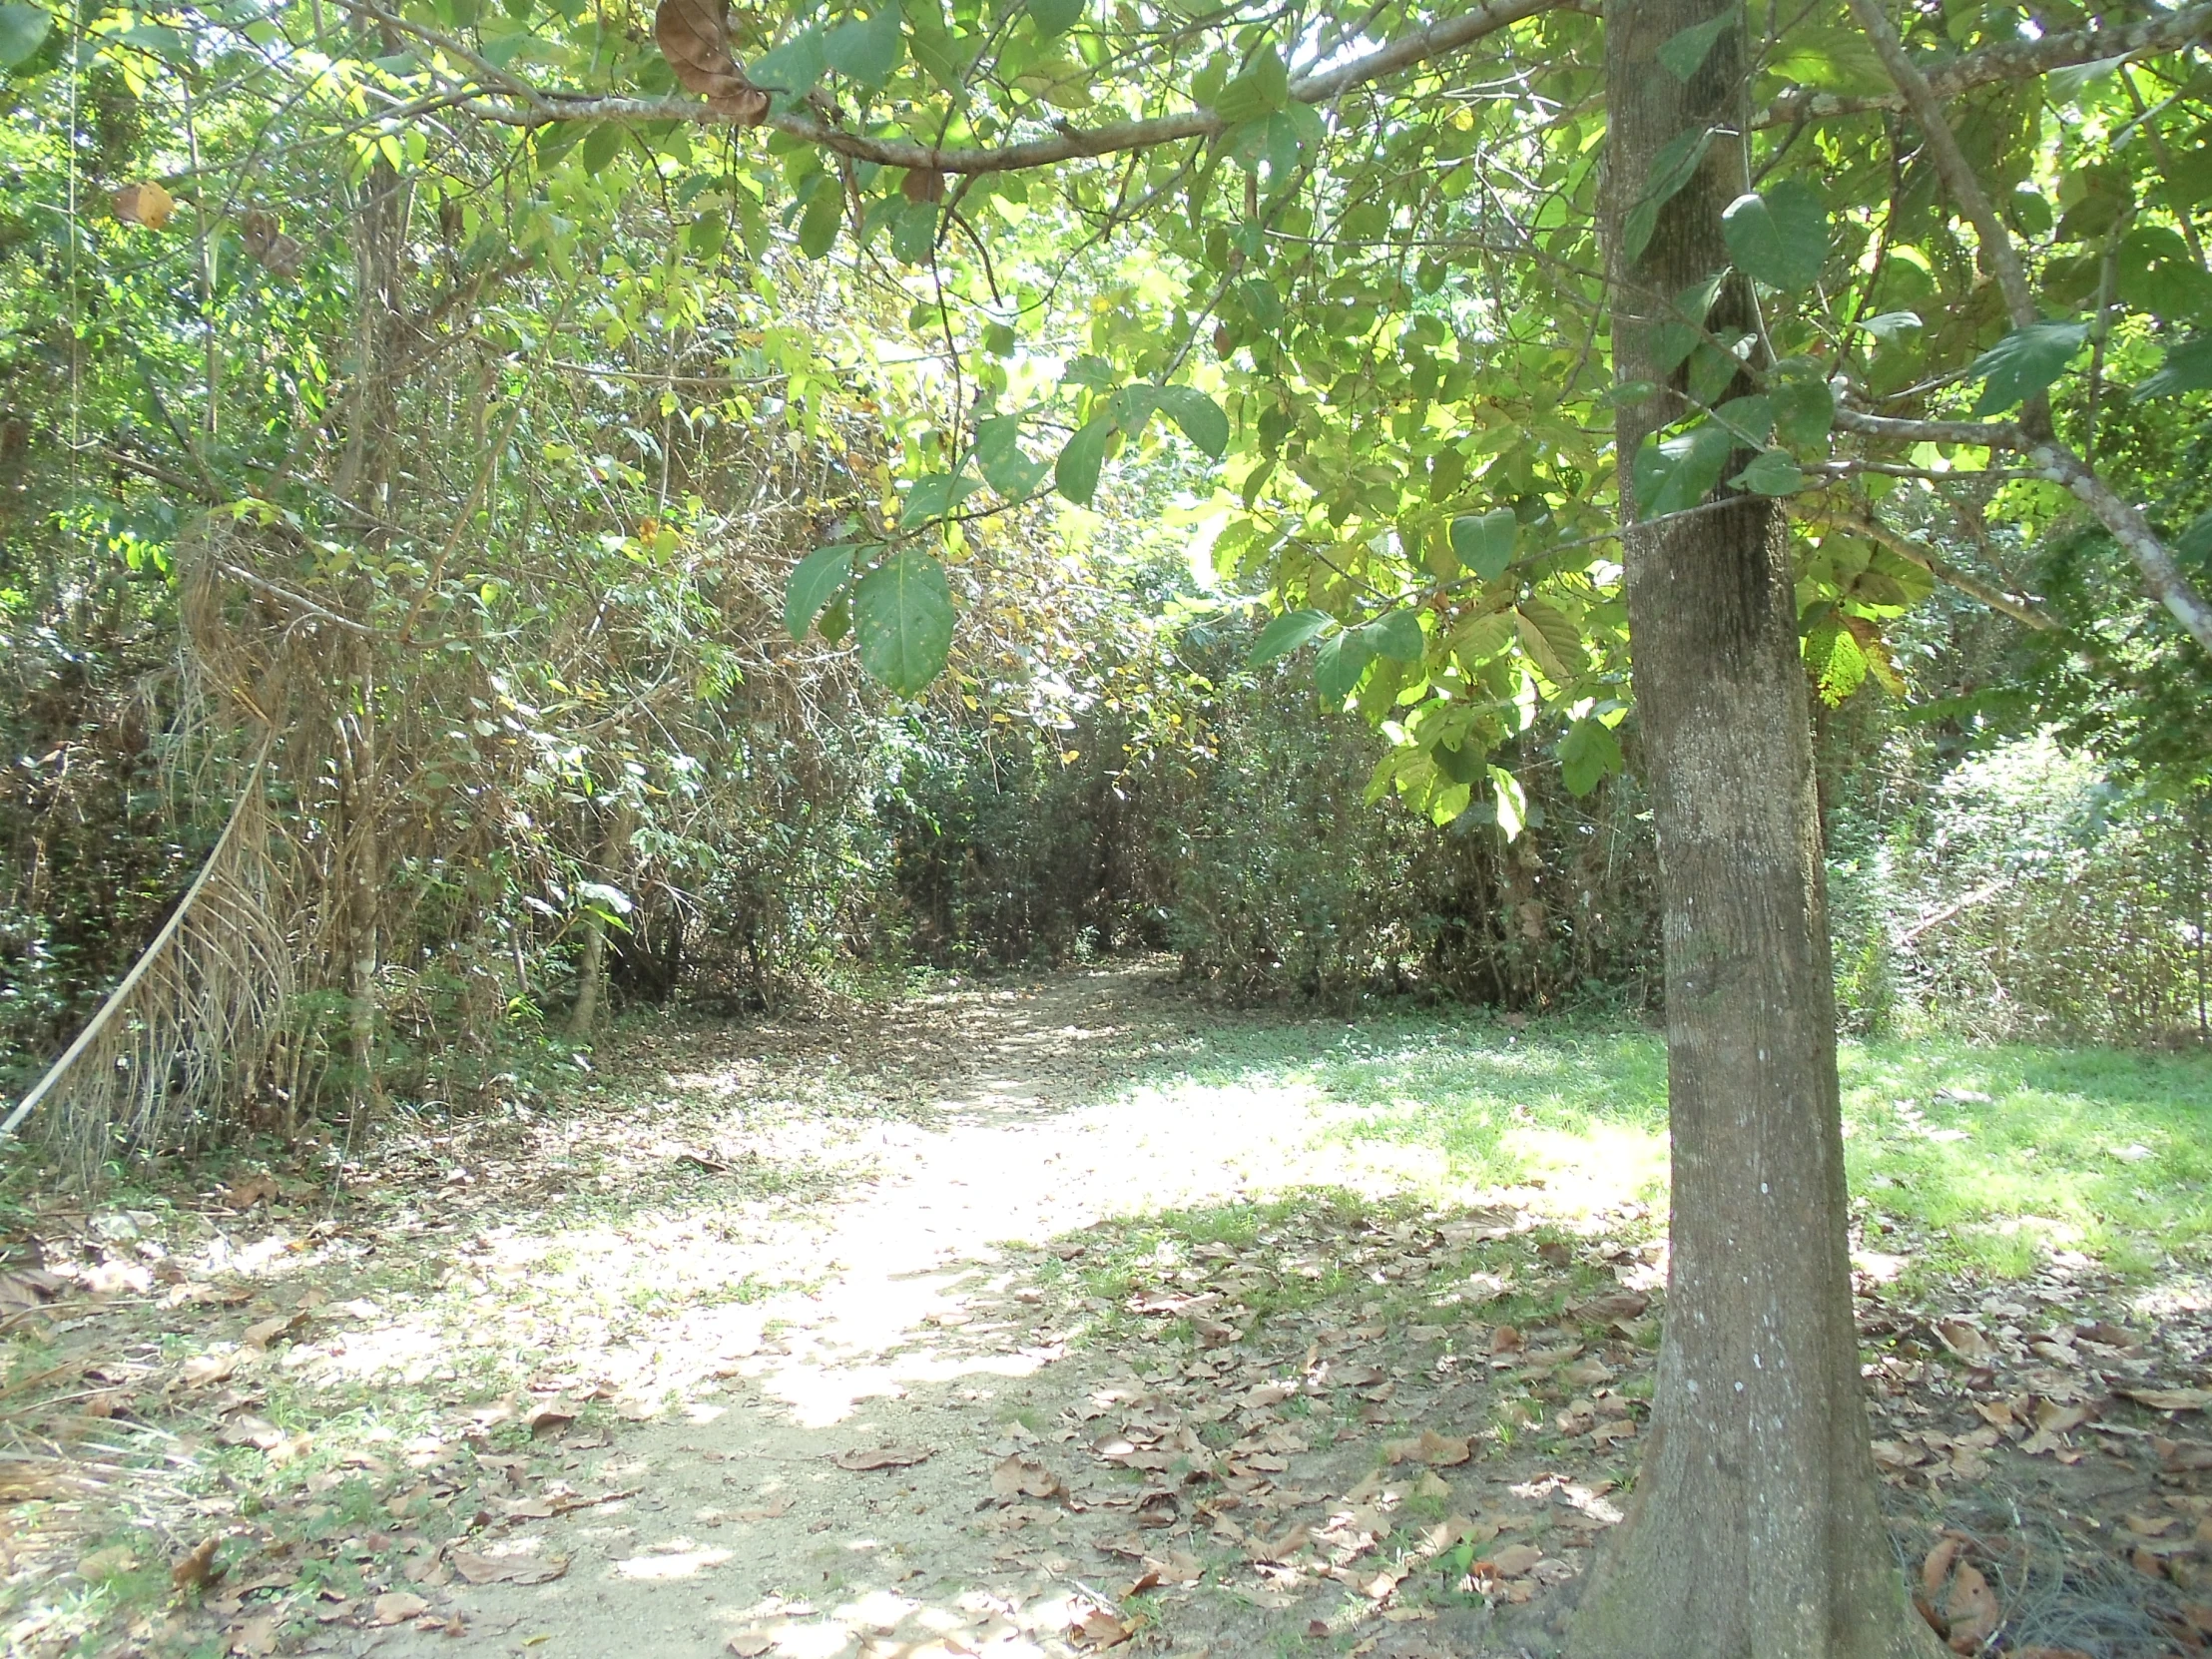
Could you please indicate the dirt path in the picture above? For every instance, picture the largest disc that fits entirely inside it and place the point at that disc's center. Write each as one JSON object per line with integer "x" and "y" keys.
{"x": 926, "y": 1339}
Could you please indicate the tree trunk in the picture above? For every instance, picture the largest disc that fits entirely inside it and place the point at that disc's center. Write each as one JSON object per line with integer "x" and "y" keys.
{"x": 1756, "y": 1526}
{"x": 591, "y": 970}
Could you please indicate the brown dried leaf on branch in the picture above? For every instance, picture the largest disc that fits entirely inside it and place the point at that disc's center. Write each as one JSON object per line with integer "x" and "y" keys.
{"x": 279, "y": 256}
{"x": 693, "y": 35}
{"x": 146, "y": 203}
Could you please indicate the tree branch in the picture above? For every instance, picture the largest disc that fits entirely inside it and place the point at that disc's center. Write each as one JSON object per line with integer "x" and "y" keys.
{"x": 1997, "y": 251}
{"x": 2057, "y": 464}
{"x": 1912, "y": 552}
{"x": 1070, "y": 142}
{"x": 2012, "y": 61}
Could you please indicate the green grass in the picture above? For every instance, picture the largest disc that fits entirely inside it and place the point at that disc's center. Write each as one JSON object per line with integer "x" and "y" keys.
{"x": 1962, "y": 1157}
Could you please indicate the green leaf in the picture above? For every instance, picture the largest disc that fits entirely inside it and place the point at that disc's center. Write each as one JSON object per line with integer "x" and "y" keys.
{"x": 2025, "y": 362}
{"x": 1001, "y": 460}
{"x": 1261, "y": 90}
{"x": 601, "y": 145}
{"x": 1397, "y": 634}
{"x": 811, "y": 581}
{"x": 1549, "y": 639}
{"x": 1685, "y": 52}
{"x": 1779, "y": 238}
{"x": 1199, "y": 418}
{"x": 915, "y": 232}
{"x": 794, "y": 68}
{"x": 902, "y": 616}
{"x": 1286, "y": 634}
{"x": 933, "y": 46}
{"x": 1076, "y": 471}
{"x": 935, "y": 495}
{"x": 2188, "y": 367}
{"x": 1672, "y": 168}
{"x": 819, "y": 224}
{"x": 1341, "y": 664}
{"x": 1772, "y": 472}
{"x": 1803, "y": 403}
{"x": 1588, "y": 754}
{"x": 1461, "y": 762}
{"x": 1675, "y": 474}
{"x": 1483, "y": 543}
{"x": 23, "y": 30}
{"x": 1054, "y": 17}
{"x": 865, "y": 50}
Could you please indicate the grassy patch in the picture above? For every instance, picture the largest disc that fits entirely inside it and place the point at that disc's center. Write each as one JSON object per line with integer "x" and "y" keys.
{"x": 1963, "y": 1157}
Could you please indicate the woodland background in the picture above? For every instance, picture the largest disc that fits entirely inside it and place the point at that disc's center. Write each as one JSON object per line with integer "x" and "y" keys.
{"x": 435, "y": 491}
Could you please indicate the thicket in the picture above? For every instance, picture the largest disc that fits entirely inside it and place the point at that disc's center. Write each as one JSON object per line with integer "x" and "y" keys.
{"x": 439, "y": 492}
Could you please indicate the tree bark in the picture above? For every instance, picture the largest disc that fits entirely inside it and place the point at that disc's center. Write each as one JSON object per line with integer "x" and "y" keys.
{"x": 1756, "y": 1526}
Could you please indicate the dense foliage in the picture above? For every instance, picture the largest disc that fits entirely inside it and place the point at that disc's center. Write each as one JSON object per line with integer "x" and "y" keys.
{"x": 570, "y": 442}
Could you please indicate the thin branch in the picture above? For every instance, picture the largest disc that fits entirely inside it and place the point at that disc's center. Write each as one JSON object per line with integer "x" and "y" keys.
{"x": 2012, "y": 61}
{"x": 1070, "y": 142}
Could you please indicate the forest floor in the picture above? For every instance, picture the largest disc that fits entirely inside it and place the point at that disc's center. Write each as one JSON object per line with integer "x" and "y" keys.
{"x": 1071, "y": 1316}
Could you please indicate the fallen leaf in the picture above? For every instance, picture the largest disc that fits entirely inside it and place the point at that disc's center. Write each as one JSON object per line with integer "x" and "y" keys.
{"x": 1506, "y": 1339}
{"x": 1557, "y": 1254}
{"x": 1177, "y": 1568}
{"x": 1430, "y": 1447}
{"x": 2169, "y": 1399}
{"x": 1513, "y": 1561}
{"x": 1610, "y": 1308}
{"x": 549, "y": 1417}
{"x": 255, "y": 1638}
{"x": 1971, "y": 1609}
{"x": 2180, "y": 1456}
{"x": 196, "y": 1569}
{"x": 1964, "y": 1339}
{"x": 751, "y": 1644}
{"x": 242, "y": 1194}
{"x": 883, "y": 1457}
{"x": 506, "y": 1569}
{"x": 398, "y": 1607}
{"x": 265, "y": 1332}
{"x": 1021, "y": 1476}
{"x": 1100, "y": 1629}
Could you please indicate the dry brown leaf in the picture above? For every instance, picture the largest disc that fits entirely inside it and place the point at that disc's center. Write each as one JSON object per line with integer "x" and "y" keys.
{"x": 751, "y": 1644}
{"x": 255, "y": 1638}
{"x": 1557, "y": 1254}
{"x": 922, "y": 183}
{"x": 549, "y": 1417}
{"x": 1176, "y": 1567}
{"x": 1513, "y": 1561}
{"x": 1970, "y": 1608}
{"x": 860, "y": 1460}
{"x": 147, "y": 204}
{"x": 1506, "y": 1339}
{"x": 260, "y": 1186}
{"x": 398, "y": 1607}
{"x": 1611, "y": 1308}
{"x": 693, "y": 35}
{"x": 506, "y": 1569}
{"x": 263, "y": 1331}
{"x": 2169, "y": 1399}
{"x": 1100, "y": 1629}
{"x": 196, "y": 1570}
{"x": 275, "y": 252}
{"x": 2180, "y": 1456}
{"x": 1964, "y": 1339}
{"x": 1021, "y": 1476}
{"x": 1441, "y": 1451}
